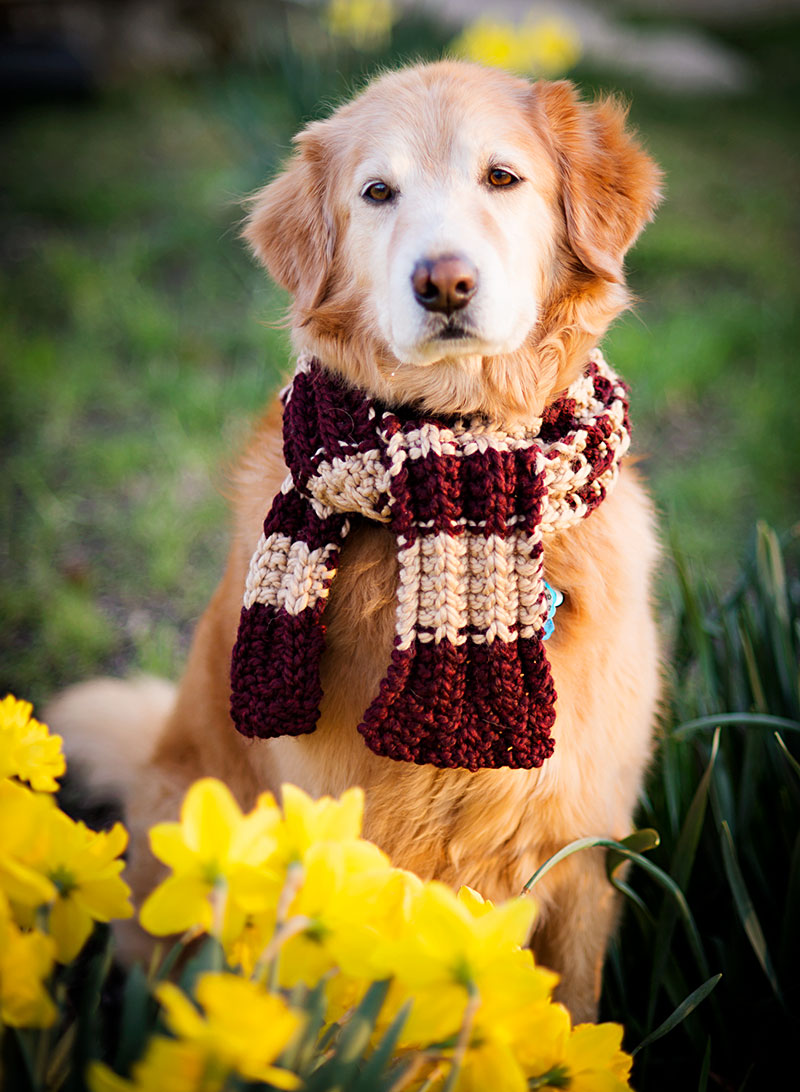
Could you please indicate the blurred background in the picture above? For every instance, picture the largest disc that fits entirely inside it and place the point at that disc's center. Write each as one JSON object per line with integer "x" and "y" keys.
{"x": 139, "y": 339}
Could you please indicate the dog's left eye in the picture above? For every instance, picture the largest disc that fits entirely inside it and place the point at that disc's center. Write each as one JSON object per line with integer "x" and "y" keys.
{"x": 378, "y": 192}
{"x": 499, "y": 176}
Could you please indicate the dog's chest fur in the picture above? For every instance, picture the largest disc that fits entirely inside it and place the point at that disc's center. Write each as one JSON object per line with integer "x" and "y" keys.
{"x": 492, "y": 828}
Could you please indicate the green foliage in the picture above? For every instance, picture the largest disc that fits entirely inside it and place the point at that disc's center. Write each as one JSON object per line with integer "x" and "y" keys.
{"x": 724, "y": 795}
{"x": 346, "y": 1057}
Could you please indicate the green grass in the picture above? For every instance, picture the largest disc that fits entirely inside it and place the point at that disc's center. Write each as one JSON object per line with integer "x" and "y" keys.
{"x": 135, "y": 357}
{"x": 710, "y": 349}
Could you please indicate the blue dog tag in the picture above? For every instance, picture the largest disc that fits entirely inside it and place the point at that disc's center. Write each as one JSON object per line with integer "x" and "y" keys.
{"x": 554, "y": 600}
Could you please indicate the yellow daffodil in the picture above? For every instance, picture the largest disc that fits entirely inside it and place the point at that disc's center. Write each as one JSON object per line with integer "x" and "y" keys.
{"x": 84, "y": 867}
{"x": 306, "y": 826}
{"x": 364, "y": 23}
{"x": 491, "y": 1065}
{"x": 27, "y": 750}
{"x": 308, "y": 822}
{"x": 385, "y": 910}
{"x": 24, "y": 818}
{"x": 594, "y": 1059}
{"x": 169, "y": 1065}
{"x": 449, "y": 944}
{"x": 47, "y": 859}
{"x": 342, "y": 882}
{"x": 545, "y": 47}
{"x": 218, "y": 857}
{"x": 345, "y": 893}
{"x": 26, "y": 960}
{"x": 587, "y": 1058}
{"x": 242, "y": 1027}
{"x": 474, "y": 902}
{"x": 454, "y": 948}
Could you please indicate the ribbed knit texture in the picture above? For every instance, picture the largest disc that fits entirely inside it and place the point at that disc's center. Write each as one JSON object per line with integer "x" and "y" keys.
{"x": 470, "y": 504}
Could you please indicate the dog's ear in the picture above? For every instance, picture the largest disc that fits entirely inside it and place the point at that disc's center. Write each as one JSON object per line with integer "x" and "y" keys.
{"x": 610, "y": 186}
{"x": 289, "y": 226}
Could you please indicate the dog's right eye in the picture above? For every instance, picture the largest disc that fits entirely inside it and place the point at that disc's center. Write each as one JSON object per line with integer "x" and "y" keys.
{"x": 377, "y": 192}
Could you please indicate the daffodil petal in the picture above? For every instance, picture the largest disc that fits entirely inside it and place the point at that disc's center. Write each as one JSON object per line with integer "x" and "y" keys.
{"x": 106, "y": 898}
{"x": 177, "y": 904}
{"x": 510, "y": 923}
{"x": 209, "y": 816}
{"x": 280, "y": 1078}
{"x": 103, "y": 1079}
{"x": 168, "y": 844}
{"x": 474, "y": 902}
{"x": 255, "y": 890}
{"x": 70, "y": 926}
{"x": 114, "y": 841}
{"x": 26, "y": 959}
{"x": 492, "y": 1066}
{"x": 595, "y": 1047}
{"x": 23, "y": 884}
{"x": 180, "y": 1014}
{"x": 254, "y": 838}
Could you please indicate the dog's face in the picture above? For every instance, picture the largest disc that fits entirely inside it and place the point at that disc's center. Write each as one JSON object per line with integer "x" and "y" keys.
{"x": 455, "y": 236}
{"x": 451, "y": 230}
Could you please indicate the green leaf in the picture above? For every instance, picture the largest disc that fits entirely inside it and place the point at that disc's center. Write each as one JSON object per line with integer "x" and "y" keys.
{"x": 640, "y": 841}
{"x": 369, "y": 1079}
{"x": 136, "y": 1020}
{"x": 788, "y": 754}
{"x": 687, "y": 1006}
{"x": 304, "y": 1052}
{"x": 352, "y": 1042}
{"x": 772, "y": 577}
{"x": 702, "y": 1084}
{"x": 167, "y": 965}
{"x": 208, "y": 957}
{"x": 659, "y": 875}
{"x": 745, "y": 909}
{"x": 18, "y": 1066}
{"x": 633, "y": 897}
{"x": 789, "y": 940}
{"x": 681, "y": 869}
{"x": 743, "y": 720}
{"x": 87, "y": 1038}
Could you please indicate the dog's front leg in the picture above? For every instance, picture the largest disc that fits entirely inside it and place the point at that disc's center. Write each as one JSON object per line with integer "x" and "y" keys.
{"x": 581, "y": 914}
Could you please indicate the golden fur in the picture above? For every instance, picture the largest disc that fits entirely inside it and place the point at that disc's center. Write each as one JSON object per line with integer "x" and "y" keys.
{"x": 591, "y": 190}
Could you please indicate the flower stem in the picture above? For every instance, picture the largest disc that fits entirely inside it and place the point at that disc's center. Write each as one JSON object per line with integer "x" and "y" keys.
{"x": 266, "y": 968}
{"x": 410, "y": 1075}
{"x": 219, "y": 903}
{"x": 464, "y": 1036}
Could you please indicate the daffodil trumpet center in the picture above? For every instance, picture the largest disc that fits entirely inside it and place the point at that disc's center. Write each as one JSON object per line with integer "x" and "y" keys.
{"x": 63, "y": 879}
{"x": 557, "y": 1077}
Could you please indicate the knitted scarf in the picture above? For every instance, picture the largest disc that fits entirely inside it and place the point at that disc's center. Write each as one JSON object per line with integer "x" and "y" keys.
{"x": 470, "y": 503}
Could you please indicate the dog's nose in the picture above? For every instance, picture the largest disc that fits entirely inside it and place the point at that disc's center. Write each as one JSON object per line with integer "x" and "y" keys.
{"x": 444, "y": 284}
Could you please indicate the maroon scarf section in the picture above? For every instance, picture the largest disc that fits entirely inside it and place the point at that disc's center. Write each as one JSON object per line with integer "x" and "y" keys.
{"x": 275, "y": 683}
{"x": 473, "y": 704}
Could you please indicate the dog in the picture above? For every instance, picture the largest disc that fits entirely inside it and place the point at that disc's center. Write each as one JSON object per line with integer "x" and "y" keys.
{"x": 509, "y": 207}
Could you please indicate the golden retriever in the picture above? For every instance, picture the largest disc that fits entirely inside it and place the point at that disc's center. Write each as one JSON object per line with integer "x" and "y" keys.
{"x": 538, "y": 196}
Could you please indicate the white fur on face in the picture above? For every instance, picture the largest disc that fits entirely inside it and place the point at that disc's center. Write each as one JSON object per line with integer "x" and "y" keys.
{"x": 445, "y": 205}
